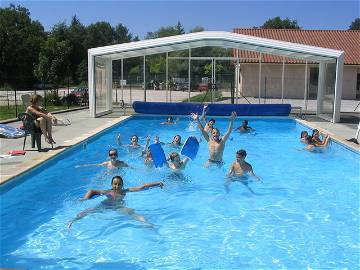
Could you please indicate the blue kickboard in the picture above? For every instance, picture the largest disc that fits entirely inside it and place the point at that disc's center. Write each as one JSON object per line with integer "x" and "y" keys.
{"x": 190, "y": 147}
{"x": 157, "y": 154}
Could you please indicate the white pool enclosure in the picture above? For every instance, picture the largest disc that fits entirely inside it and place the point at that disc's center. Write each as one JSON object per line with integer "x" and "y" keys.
{"x": 330, "y": 63}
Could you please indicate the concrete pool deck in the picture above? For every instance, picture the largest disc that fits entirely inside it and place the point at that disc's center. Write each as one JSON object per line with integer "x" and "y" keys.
{"x": 82, "y": 127}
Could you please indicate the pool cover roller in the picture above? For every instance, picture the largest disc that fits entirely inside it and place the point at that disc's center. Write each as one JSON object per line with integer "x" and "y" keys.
{"x": 183, "y": 108}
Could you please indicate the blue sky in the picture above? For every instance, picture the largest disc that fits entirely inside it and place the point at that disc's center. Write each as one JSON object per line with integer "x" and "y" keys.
{"x": 145, "y": 16}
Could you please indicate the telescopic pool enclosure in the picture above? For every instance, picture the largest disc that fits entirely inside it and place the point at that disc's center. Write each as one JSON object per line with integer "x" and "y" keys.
{"x": 330, "y": 63}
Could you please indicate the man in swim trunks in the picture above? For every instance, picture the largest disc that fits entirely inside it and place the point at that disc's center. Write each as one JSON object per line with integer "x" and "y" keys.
{"x": 215, "y": 143}
{"x": 240, "y": 167}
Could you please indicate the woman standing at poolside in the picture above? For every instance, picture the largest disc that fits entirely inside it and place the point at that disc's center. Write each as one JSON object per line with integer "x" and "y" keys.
{"x": 43, "y": 119}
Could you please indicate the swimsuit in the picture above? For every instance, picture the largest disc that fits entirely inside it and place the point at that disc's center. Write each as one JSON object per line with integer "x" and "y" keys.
{"x": 217, "y": 162}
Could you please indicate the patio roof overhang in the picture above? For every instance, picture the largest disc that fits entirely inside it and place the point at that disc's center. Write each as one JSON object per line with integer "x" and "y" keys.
{"x": 219, "y": 39}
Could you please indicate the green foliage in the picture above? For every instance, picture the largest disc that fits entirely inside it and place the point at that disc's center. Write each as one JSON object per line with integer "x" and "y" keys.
{"x": 20, "y": 41}
{"x": 54, "y": 62}
{"x": 134, "y": 70}
{"x": 157, "y": 64}
{"x": 82, "y": 73}
{"x": 355, "y": 25}
{"x": 166, "y": 31}
{"x": 208, "y": 69}
{"x": 197, "y": 29}
{"x": 278, "y": 23}
{"x": 53, "y": 98}
{"x": 205, "y": 97}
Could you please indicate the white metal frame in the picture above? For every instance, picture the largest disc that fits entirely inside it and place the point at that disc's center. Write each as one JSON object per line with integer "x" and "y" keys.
{"x": 218, "y": 39}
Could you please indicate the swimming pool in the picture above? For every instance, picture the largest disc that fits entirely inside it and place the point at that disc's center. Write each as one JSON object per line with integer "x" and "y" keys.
{"x": 305, "y": 213}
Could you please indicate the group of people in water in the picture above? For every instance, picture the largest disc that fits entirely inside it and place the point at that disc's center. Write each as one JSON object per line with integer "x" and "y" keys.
{"x": 313, "y": 141}
{"x": 216, "y": 145}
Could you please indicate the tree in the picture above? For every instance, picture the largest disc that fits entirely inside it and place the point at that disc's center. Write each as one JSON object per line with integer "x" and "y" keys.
{"x": 122, "y": 34}
{"x": 197, "y": 29}
{"x": 355, "y": 25}
{"x": 99, "y": 34}
{"x": 20, "y": 42}
{"x": 166, "y": 31}
{"x": 278, "y": 23}
{"x": 78, "y": 52}
{"x": 54, "y": 62}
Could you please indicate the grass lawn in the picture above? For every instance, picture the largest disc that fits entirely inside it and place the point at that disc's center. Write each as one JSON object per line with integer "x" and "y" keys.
{"x": 10, "y": 112}
{"x": 205, "y": 97}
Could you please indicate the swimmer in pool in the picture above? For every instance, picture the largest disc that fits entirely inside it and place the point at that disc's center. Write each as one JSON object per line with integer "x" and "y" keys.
{"x": 240, "y": 167}
{"x": 134, "y": 141}
{"x": 303, "y": 136}
{"x": 239, "y": 170}
{"x": 316, "y": 138}
{"x": 312, "y": 145}
{"x": 175, "y": 163}
{"x": 216, "y": 144}
{"x": 176, "y": 141}
{"x": 113, "y": 163}
{"x": 170, "y": 121}
{"x": 115, "y": 197}
{"x": 209, "y": 125}
{"x": 244, "y": 127}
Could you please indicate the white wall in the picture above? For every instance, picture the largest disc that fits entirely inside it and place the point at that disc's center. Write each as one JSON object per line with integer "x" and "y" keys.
{"x": 294, "y": 80}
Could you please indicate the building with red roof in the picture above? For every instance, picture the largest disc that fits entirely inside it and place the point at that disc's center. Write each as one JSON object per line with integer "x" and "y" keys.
{"x": 295, "y": 69}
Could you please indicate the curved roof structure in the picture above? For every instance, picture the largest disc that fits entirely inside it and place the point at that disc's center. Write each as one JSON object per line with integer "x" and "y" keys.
{"x": 220, "y": 39}
{"x": 107, "y": 54}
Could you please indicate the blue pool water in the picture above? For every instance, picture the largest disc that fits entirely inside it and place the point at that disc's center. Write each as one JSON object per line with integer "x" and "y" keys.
{"x": 304, "y": 215}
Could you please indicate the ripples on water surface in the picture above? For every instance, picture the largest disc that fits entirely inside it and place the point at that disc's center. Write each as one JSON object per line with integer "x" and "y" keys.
{"x": 305, "y": 213}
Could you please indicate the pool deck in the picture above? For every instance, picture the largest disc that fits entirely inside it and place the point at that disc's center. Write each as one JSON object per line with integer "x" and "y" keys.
{"x": 82, "y": 127}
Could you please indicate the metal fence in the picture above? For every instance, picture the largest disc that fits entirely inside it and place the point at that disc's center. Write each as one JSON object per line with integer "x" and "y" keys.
{"x": 13, "y": 102}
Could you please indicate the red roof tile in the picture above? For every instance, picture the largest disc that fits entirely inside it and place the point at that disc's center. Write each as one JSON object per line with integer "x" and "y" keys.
{"x": 343, "y": 40}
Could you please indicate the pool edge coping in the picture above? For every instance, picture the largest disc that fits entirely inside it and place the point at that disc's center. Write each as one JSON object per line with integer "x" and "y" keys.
{"x": 340, "y": 140}
{"x": 67, "y": 145}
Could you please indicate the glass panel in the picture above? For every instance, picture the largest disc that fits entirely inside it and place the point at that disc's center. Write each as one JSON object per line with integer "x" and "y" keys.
{"x": 313, "y": 82}
{"x": 100, "y": 85}
{"x": 329, "y": 95}
{"x": 225, "y": 80}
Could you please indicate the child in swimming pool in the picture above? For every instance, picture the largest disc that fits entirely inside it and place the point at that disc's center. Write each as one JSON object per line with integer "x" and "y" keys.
{"x": 111, "y": 164}
{"x": 117, "y": 191}
{"x": 115, "y": 197}
{"x": 175, "y": 163}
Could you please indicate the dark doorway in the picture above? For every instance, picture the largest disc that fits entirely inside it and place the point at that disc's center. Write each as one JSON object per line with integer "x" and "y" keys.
{"x": 313, "y": 82}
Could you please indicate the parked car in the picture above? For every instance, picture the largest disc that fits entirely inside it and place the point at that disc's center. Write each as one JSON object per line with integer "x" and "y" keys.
{"x": 82, "y": 94}
{"x": 81, "y": 91}
{"x": 206, "y": 86}
{"x": 203, "y": 86}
